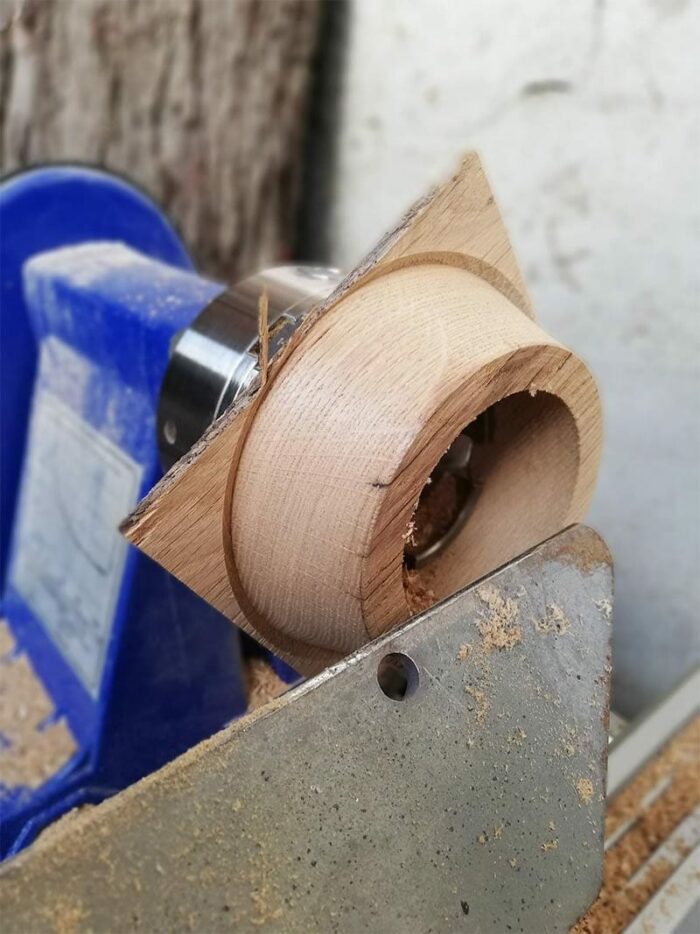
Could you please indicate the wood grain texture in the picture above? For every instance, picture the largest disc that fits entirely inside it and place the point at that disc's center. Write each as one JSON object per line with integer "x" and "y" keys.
{"x": 291, "y": 514}
{"x": 202, "y": 102}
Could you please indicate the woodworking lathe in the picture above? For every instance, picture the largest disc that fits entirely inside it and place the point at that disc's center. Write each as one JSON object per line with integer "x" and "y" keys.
{"x": 388, "y": 500}
{"x": 96, "y": 290}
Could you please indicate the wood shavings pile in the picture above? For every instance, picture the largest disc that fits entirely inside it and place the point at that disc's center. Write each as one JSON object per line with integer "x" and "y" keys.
{"x": 434, "y": 514}
{"x": 419, "y": 594}
{"x": 262, "y": 683}
{"x": 7, "y": 643}
{"x": 621, "y": 899}
{"x": 36, "y": 747}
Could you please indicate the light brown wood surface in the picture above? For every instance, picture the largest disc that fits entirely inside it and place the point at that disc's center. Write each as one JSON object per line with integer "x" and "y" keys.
{"x": 291, "y": 515}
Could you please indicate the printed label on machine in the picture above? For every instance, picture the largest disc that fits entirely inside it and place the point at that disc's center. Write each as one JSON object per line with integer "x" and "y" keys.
{"x": 69, "y": 556}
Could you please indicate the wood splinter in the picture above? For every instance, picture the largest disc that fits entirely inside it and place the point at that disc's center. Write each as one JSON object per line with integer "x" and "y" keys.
{"x": 263, "y": 336}
{"x": 291, "y": 515}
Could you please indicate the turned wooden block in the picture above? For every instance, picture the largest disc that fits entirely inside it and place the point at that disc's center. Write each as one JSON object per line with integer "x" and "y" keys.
{"x": 293, "y": 514}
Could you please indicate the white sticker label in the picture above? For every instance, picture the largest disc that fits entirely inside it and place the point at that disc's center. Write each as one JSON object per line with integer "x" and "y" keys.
{"x": 69, "y": 557}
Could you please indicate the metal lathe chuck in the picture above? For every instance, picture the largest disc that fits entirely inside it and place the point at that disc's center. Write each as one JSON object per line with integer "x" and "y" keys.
{"x": 214, "y": 360}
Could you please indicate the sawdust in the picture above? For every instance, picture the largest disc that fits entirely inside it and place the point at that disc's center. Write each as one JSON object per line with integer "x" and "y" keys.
{"x": 262, "y": 683}
{"x": 605, "y": 607}
{"x": 420, "y": 595}
{"x": 7, "y": 643}
{"x": 433, "y": 516}
{"x": 621, "y": 899}
{"x": 63, "y": 822}
{"x": 681, "y": 756}
{"x": 587, "y": 553}
{"x": 264, "y": 886}
{"x": 66, "y": 917}
{"x": 435, "y": 512}
{"x": 28, "y": 763}
{"x": 23, "y": 701}
{"x": 409, "y": 534}
{"x": 36, "y": 747}
{"x": 584, "y": 789}
{"x": 554, "y": 621}
{"x": 482, "y": 702}
{"x": 550, "y": 845}
{"x": 498, "y": 630}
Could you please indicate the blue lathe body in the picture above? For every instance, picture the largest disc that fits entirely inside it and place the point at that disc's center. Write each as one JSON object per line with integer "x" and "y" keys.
{"x": 109, "y": 666}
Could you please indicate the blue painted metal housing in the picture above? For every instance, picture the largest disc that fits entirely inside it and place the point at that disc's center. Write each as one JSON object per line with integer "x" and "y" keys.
{"x": 135, "y": 665}
{"x": 41, "y": 209}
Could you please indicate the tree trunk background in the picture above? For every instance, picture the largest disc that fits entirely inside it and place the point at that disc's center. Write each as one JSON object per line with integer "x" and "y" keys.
{"x": 201, "y": 102}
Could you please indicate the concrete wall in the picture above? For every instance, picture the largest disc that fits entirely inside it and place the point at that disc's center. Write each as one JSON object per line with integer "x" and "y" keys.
{"x": 586, "y": 117}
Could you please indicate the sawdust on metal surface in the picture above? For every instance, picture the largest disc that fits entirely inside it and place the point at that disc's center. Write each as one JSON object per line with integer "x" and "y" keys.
{"x": 481, "y": 700}
{"x": 67, "y": 917}
{"x": 588, "y": 552}
{"x": 498, "y": 628}
{"x": 554, "y": 621}
{"x": 584, "y": 789}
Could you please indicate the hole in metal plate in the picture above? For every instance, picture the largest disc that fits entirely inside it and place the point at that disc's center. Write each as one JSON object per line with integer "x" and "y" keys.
{"x": 397, "y": 675}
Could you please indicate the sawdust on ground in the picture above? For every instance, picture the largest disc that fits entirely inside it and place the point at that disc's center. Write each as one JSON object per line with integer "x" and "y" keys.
{"x": 262, "y": 683}
{"x": 621, "y": 899}
{"x": 7, "y": 643}
{"x": 35, "y": 746}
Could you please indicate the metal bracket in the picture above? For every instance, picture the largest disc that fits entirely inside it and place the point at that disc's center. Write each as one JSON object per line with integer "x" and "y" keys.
{"x": 468, "y": 797}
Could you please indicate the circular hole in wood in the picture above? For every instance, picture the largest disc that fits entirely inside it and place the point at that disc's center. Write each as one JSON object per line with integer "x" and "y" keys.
{"x": 397, "y": 675}
{"x": 449, "y": 496}
{"x": 523, "y": 467}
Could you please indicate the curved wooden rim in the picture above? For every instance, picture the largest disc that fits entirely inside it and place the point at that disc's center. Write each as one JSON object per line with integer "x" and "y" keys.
{"x": 258, "y": 623}
{"x": 377, "y": 586}
{"x": 288, "y": 644}
{"x": 382, "y": 583}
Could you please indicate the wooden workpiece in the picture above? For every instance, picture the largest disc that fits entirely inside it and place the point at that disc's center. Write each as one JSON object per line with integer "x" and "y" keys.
{"x": 291, "y": 516}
